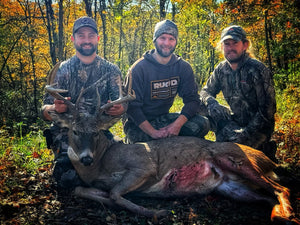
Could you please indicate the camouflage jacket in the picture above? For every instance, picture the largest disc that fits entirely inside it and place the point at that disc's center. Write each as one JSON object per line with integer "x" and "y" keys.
{"x": 72, "y": 75}
{"x": 249, "y": 91}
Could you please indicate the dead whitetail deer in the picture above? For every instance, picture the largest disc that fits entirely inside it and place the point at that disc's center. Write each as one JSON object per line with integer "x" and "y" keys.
{"x": 172, "y": 167}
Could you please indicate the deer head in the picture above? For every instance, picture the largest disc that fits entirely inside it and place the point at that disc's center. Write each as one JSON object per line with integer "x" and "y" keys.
{"x": 85, "y": 129}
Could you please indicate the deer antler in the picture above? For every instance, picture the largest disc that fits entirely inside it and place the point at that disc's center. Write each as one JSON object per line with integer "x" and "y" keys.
{"x": 74, "y": 107}
{"x": 129, "y": 97}
{"x": 55, "y": 93}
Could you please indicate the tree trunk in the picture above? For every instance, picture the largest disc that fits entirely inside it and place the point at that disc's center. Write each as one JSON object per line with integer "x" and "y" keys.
{"x": 60, "y": 31}
{"x": 103, "y": 18}
{"x": 162, "y": 9}
{"x": 267, "y": 41}
{"x": 51, "y": 29}
{"x": 173, "y": 11}
{"x": 120, "y": 35}
{"x": 88, "y": 7}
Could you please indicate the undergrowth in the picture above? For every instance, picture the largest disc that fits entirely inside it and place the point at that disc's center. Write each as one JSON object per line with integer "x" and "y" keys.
{"x": 29, "y": 152}
{"x": 287, "y": 126}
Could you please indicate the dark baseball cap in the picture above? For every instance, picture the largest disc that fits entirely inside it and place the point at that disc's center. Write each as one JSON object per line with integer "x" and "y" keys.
{"x": 233, "y": 32}
{"x": 85, "y": 21}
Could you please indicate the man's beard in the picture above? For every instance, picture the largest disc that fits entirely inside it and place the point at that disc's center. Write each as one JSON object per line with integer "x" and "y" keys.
{"x": 161, "y": 53}
{"x": 86, "y": 52}
{"x": 236, "y": 60}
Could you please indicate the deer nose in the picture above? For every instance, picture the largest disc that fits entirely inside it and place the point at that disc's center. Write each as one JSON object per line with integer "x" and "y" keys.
{"x": 86, "y": 161}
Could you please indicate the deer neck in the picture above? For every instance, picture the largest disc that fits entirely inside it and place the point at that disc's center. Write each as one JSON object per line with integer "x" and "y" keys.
{"x": 102, "y": 145}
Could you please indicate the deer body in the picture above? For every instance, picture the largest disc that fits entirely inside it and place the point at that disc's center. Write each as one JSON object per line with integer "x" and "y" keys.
{"x": 174, "y": 167}
{"x": 171, "y": 167}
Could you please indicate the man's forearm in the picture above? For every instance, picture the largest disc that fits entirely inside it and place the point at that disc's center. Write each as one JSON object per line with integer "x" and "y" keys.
{"x": 147, "y": 128}
{"x": 180, "y": 121}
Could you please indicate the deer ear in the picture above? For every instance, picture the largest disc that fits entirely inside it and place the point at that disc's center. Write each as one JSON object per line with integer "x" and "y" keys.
{"x": 62, "y": 119}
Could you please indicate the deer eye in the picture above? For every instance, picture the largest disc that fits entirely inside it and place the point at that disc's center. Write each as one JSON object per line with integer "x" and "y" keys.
{"x": 75, "y": 132}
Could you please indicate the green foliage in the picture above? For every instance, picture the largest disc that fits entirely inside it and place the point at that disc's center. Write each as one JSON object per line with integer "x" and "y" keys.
{"x": 290, "y": 77}
{"x": 287, "y": 126}
{"x": 28, "y": 152}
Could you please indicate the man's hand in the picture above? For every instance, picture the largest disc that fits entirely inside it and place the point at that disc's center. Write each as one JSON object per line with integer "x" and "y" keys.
{"x": 174, "y": 128}
{"x": 218, "y": 112}
{"x": 60, "y": 106}
{"x": 115, "y": 110}
{"x": 151, "y": 131}
{"x": 157, "y": 134}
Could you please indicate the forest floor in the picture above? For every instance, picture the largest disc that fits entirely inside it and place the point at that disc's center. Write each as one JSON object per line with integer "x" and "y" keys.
{"x": 32, "y": 199}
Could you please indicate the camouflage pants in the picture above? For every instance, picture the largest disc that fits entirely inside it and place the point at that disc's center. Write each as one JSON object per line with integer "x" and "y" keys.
{"x": 197, "y": 126}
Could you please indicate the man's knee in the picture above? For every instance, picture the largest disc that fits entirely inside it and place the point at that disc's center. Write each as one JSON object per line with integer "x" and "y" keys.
{"x": 197, "y": 126}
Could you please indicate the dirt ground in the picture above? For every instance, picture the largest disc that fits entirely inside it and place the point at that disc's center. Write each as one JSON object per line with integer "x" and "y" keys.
{"x": 34, "y": 200}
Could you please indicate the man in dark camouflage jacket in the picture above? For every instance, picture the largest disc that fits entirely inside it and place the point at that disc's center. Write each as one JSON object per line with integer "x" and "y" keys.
{"x": 81, "y": 70}
{"x": 248, "y": 88}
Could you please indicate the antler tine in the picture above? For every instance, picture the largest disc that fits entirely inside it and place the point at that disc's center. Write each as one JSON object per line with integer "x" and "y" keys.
{"x": 127, "y": 98}
{"x": 98, "y": 102}
{"x": 79, "y": 97}
{"x": 55, "y": 93}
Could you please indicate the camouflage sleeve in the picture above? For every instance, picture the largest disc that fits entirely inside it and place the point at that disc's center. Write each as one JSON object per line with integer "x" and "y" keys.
{"x": 264, "y": 87}
{"x": 59, "y": 81}
{"x": 211, "y": 89}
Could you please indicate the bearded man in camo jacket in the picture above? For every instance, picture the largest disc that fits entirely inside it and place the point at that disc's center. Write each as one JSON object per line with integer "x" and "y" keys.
{"x": 80, "y": 71}
{"x": 248, "y": 88}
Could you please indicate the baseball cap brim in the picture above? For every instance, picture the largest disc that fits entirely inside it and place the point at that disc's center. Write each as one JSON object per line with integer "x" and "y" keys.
{"x": 85, "y": 25}
{"x": 231, "y": 37}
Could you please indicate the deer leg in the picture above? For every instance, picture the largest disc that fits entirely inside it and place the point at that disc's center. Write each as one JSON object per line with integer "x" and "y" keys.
{"x": 237, "y": 190}
{"x": 282, "y": 211}
{"x": 130, "y": 182}
{"x": 95, "y": 195}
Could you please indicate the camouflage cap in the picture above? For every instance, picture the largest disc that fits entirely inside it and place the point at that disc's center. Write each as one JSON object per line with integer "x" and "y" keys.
{"x": 165, "y": 27}
{"x": 233, "y": 32}
{"x": 85, "y": 21}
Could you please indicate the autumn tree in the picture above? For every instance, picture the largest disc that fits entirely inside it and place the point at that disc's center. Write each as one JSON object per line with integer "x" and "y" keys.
{"x": 21, "y": 83}
{"x": 196, "y": 19}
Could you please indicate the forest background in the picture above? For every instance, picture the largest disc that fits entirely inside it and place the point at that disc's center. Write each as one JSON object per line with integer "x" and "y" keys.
{"x": 35, "y": 35}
